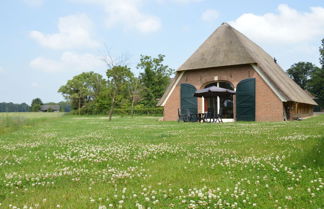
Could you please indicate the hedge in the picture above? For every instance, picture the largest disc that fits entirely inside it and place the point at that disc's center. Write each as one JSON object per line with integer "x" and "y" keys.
{"x": 139, "y": 111}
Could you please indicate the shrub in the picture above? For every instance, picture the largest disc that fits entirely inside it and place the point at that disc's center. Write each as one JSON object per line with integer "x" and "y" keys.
{"x": 139, "y": 111}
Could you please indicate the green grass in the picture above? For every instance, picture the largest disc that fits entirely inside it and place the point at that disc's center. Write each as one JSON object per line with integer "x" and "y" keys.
{"x": 14, "y": 121}
{"x": 89, "y": 162}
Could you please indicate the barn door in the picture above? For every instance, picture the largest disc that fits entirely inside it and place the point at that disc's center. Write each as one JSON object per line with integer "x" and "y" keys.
{"x": 188, "y": 101}
{"x": 245, "y": 100}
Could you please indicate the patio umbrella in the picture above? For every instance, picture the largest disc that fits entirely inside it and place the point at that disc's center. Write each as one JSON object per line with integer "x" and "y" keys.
{"x": 213, "y": 91}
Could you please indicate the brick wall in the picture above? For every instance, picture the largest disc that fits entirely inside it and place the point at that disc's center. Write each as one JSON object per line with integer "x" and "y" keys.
{"x": 268, "y": 105}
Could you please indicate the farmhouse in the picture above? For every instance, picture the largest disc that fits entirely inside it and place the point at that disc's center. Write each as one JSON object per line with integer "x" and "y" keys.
{"x": 228, "y": 59}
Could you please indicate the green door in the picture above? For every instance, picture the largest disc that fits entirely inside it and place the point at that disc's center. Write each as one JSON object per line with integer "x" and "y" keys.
{"x": 188, "y": 101}
{"x": 245, "y": 100}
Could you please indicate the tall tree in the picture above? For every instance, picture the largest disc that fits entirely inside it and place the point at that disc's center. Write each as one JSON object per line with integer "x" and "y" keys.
{"x": 36, "y": 104}
{"x": 134, "y": 92}
{"x": 155, "y": 78}
{"x": 301, "y": 73}
{"x": 118, "y": 82}
{"x": 316, "y": 85}
{"x": 321, "y": 50}
{"x": 83, "y": 89}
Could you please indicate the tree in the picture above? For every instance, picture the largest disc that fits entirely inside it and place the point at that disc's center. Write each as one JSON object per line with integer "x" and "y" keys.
{"x": 134, "y": 92}
{"x": 36, "y": 105}
{"x": 155, "y": 78}
{"x": 316, "y": 85}
{"x": 11, "y": 107}
{"x": 118, "y": 83}
{"x": 321, "y": 50}
{"x": 64, "y": 106}
{"x": 301, "y": 73}
{"x": 310, "y": 77}
{"x": 83, "y": 89}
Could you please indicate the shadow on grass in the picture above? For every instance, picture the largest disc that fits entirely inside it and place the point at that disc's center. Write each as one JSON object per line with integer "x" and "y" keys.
{"x": 315, "y": 157}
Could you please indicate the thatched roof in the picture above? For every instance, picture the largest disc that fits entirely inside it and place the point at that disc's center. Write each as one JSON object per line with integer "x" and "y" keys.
{"x": 228, "y": 47}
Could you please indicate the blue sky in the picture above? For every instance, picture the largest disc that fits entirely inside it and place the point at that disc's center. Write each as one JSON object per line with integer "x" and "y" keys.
{"x": 44, "y": 43}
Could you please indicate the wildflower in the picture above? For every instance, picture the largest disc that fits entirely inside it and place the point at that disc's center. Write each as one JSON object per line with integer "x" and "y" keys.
{"x": 288, "y": 198}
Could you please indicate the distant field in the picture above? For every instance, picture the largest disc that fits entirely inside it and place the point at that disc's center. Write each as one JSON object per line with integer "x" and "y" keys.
{"x": 88, "y": 162}
{"x": 12, "y": 121}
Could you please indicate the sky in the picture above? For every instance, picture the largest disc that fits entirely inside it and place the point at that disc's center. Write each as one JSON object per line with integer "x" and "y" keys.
{"x": 44, "y": 43}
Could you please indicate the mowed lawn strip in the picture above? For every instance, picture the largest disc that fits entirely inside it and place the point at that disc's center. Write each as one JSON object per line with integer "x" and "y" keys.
{"x": 140, "y": 162}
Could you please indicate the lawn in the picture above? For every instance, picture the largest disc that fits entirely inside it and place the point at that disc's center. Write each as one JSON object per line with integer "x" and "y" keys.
{"x": 88, "y": 162}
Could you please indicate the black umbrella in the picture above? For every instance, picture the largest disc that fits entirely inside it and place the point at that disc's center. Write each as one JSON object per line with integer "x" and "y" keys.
{"x": 213, "y": 91}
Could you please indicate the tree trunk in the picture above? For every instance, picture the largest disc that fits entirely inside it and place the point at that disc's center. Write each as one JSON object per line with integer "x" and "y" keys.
{"x": 132, "y": 107}
{"x": 112, "y": 106}
{"x": 79, "y": 105}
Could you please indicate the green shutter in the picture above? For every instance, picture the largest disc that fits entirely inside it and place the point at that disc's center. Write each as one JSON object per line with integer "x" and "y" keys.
{"x": 188, "y": 101}
{"x": 245, "y": 100}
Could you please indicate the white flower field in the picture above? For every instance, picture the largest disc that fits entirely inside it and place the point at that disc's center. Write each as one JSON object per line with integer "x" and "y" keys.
{"x": 55, "y": 161}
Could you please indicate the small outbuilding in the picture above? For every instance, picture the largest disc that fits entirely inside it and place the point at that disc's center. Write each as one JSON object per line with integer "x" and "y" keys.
{"x": 230, "y": 60}
{"x": 50, "y": 108}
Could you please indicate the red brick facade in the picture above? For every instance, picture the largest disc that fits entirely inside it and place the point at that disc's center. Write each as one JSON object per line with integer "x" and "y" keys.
{"x": 268, "y": 105}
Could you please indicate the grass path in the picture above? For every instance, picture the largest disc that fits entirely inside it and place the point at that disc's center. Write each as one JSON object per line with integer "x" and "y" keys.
{"x": 89, "y": 162}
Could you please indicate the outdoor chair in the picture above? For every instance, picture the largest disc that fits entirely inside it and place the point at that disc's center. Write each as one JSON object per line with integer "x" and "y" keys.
{"x": 185, "y": 117}
{"x": 220, "y": 115}
{"x": 212, "y": 117}
{"x": 193, "y": 117}
{"x": 219, "y": 118}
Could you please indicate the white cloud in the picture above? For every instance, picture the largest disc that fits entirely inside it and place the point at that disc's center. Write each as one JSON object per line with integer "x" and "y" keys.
{"x": 126, "y": 13}
{"x": 287, "y": 26}
{"x": 2, "y": 70}
{"x": 209, "y": 15}
{"x": 74, "y": 31}
{"x": 34, "y": 3}
{"x": 69, "y": 61}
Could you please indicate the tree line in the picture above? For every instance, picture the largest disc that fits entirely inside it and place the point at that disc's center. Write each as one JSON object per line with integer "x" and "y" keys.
{"x": 34, "y": 107}
{"x": 310, "y": 77}
{"x": 11, "y": 107}
{"x": 119, "y": 89}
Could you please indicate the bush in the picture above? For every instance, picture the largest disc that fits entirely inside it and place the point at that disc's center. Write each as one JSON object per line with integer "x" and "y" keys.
{"x": 91, "y": 109}
{"x": 139, "y": 111}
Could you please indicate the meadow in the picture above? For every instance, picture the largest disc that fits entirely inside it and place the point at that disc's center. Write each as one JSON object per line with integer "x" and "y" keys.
{"x": 56, "y": 161}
